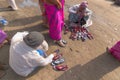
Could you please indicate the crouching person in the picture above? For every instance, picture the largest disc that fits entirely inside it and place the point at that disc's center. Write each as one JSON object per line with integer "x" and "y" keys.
{"x": 80, "y": 14}
{"x": 27, "y": 51}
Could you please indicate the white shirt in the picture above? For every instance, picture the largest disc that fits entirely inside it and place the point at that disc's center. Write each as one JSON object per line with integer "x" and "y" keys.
{"x": 24, "y": 59}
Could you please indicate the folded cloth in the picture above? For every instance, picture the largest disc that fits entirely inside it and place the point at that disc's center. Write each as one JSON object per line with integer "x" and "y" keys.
{"x": 42, "y": 53}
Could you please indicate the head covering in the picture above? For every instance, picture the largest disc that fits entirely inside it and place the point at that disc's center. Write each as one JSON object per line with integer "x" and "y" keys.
{"x": 84, "y": 4}
{"x": 34, "y": 39}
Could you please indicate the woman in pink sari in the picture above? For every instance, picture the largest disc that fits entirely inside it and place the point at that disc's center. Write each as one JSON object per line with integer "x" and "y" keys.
{"x": 55, "y": 16}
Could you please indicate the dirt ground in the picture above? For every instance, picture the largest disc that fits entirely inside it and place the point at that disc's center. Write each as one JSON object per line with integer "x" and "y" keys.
{"x": 86, "y": 60}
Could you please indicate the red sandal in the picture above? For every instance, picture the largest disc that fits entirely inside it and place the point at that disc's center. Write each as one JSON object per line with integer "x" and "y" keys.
{"x": 60, "y": 67}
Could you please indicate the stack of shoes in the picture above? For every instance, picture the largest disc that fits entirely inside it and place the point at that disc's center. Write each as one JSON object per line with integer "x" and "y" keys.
{"x": 79, "y": 32}
{"x": 57, "y": 60}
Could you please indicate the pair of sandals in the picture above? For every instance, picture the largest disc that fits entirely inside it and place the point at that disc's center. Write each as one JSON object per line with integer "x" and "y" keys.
{"x": 58, "y": 59}
{"x": 61, "y": 43}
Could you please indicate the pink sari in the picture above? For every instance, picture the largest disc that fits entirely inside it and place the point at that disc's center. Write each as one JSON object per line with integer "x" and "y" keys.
{"x": 115, "y": 50}
{"x": 55, "y": 19}
{"x": 3, "y": 36}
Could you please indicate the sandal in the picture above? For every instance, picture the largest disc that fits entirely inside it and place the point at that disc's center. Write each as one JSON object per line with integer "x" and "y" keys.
{"x": 65, "y": 42}
{"x": 60, "y": 67}
{"x": 58, "y": 56}
{"x": 58, "y": 61}
{"x": 60, "y": 43}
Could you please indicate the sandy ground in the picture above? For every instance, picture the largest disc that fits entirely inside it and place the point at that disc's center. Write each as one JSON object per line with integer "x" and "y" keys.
{"x": 86, "y": 60}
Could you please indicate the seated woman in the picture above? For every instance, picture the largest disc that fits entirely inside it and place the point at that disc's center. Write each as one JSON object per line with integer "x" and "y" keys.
{"x": 80, "y": 14}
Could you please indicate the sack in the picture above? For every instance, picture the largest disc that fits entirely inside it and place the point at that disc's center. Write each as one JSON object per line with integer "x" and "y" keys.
{"x": 115, "y": 50}
{"x": 3, "y": 36}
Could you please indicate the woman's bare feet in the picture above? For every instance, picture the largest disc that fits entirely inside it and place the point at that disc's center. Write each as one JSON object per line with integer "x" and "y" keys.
{"x": 60, "y": 43}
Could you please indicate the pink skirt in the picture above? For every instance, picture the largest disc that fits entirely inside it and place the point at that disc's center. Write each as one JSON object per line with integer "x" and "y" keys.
{"x": 3, "y": 36}
{"x": 55, "y": 19}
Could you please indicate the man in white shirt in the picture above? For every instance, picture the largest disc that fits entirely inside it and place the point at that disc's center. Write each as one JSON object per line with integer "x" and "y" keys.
{"x": 24, "y": 57}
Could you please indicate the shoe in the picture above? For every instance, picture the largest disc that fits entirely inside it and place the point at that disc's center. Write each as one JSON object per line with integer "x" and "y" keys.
{"x": 60, "y": 43}
{"x": 65, "y": 42}
{"x": 58, "y": 56}
{"x": 60, "y": 67}
{"x": 58, "y": 61}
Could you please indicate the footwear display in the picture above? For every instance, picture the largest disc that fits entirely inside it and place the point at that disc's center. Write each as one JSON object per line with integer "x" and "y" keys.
{"x": 78, "y": 32}
{"x": 58, "y": 59}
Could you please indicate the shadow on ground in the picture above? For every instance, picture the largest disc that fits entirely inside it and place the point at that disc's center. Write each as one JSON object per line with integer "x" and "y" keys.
{"x": 93, "y": 70}
{"x": 114, "y": 3}
{"x": 24, "y": 21}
